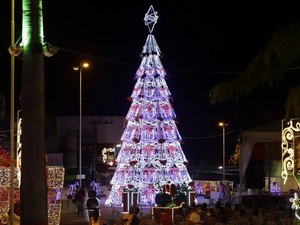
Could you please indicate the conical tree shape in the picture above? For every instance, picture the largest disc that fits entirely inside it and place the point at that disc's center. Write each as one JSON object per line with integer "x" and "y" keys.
{"x": 151, "y": 153}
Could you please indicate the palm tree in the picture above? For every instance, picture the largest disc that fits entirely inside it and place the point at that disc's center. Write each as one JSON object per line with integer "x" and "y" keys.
{"x": 33, "y": 180}
{"x": 271, "y": 66}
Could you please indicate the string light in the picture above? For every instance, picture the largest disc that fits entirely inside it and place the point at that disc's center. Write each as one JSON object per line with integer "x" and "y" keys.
{"x": 108, "y": 156}
{"x": 55, "y": 180}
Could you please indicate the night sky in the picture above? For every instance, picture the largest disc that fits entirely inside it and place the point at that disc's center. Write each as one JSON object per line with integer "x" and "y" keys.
{"x": 203, "y": 44}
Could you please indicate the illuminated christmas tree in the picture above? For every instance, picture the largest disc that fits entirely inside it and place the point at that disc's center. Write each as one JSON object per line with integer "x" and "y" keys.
{"x": 151, "y": 155}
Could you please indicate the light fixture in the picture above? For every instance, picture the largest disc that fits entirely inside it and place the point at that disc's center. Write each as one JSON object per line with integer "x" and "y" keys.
{"x": 15, "y": 50}
{"x": 49, "y": 50}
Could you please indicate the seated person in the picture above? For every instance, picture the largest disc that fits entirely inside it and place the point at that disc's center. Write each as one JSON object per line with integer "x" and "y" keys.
{"x": 194, "y": 216}
{"x": 127, "y": 218}
{"x": 96, "y": 219}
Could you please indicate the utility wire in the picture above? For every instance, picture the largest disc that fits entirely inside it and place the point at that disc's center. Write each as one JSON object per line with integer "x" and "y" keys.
{"x": 174, "y": 70}
{"x": 136, "y": 65}
{"x": 211, "y": 136}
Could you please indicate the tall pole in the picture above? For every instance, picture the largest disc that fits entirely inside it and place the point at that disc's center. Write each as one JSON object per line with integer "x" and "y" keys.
{"x": 80, "y": 124}
{"x": 223, "y": 125}
{"x": 241, "y": 174}
{"x": 12, "y": 114}
{"x": 224, "y": 152}
{"x": 80, "y": 68}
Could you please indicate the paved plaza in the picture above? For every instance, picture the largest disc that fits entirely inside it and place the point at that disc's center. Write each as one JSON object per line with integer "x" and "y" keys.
{"x": 70, "y": 217}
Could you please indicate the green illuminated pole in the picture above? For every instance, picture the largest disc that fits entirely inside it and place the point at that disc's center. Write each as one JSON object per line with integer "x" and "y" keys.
{"x": 12, "y": 114}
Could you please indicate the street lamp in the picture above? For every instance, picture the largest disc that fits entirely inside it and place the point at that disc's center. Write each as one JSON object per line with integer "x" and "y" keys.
{"x": 80, "y": 68}
{"x": 223, "y": 125}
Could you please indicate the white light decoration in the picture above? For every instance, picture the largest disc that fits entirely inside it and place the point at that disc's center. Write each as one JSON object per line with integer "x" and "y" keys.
{"x": 55, "y": 180}
{"x": 290, "y": 144}
{"x": 108, "y": 156}
{"x": 295, "y": 205}
{"x": 150, "y": 18}
{"x": 150, "y": 155}
{"x": 290, "y": 132}
{"x": 19, "y": 147}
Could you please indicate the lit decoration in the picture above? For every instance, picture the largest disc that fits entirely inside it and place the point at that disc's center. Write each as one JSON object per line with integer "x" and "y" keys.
{"x": 235, "y": 157}
{"x": 274, "y": 187}
{"x": 150, "y": 18}
{"x": 95, "y": 187}
{"x": 72, "y": 190}
{"x": 4, "y": 157}
{"x": 295, "y": 205}
{"x": 55, "y": 177}
{"x": 55, "y": 180}
{"x": 108, "y": 156}
{"x": 290, "y": 149}
{"x": 19, "y": 147}
{"x": 290, "y": 144}
{"x": 151, "y": 154}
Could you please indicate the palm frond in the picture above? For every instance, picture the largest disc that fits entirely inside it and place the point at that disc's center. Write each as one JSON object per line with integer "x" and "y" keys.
{"x": 285, "y": 44}
{"x": 293, "y": 103}
{"x": 268, "y": 67}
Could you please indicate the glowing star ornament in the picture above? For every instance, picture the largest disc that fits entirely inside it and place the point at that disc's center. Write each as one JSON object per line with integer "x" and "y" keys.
{"x": 150, "y": 18}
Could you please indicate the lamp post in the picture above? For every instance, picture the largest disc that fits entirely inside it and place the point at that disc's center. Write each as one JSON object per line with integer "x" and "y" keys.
{"x": 223, "y": 125}
{"x": 12, "y": 115}
{"x": 80, "y": 68}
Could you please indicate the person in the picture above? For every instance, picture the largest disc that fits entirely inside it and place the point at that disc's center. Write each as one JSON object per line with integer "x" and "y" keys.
{"x": 243, "y": 218}
{"x": 194, "y": 216}
{"x": 92, "y": 202}
{"x": 210, "y": 217}
{"x": 127, "y": 218}
{"x": 80, "y": 197}
{"x": 257, "y": 218}
{"x": 96, "y": 219}
{"x": 135, "y": 218}
{"x": 221, "y": 190}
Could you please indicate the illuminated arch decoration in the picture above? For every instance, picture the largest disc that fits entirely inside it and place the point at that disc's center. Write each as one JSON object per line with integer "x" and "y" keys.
{"x": 290, "y": 145}
{"x": 151, "y": 154}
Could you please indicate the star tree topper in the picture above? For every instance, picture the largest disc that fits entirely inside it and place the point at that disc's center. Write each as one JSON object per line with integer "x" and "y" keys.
{"x": 151, "y": 18}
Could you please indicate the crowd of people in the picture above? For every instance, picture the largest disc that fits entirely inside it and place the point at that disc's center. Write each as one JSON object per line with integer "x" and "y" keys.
{"x": 130, "y": 218}
{"x": 239, "y": 214}
{"x": 220, "y": 213}
{"x": 217, "y": 214}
